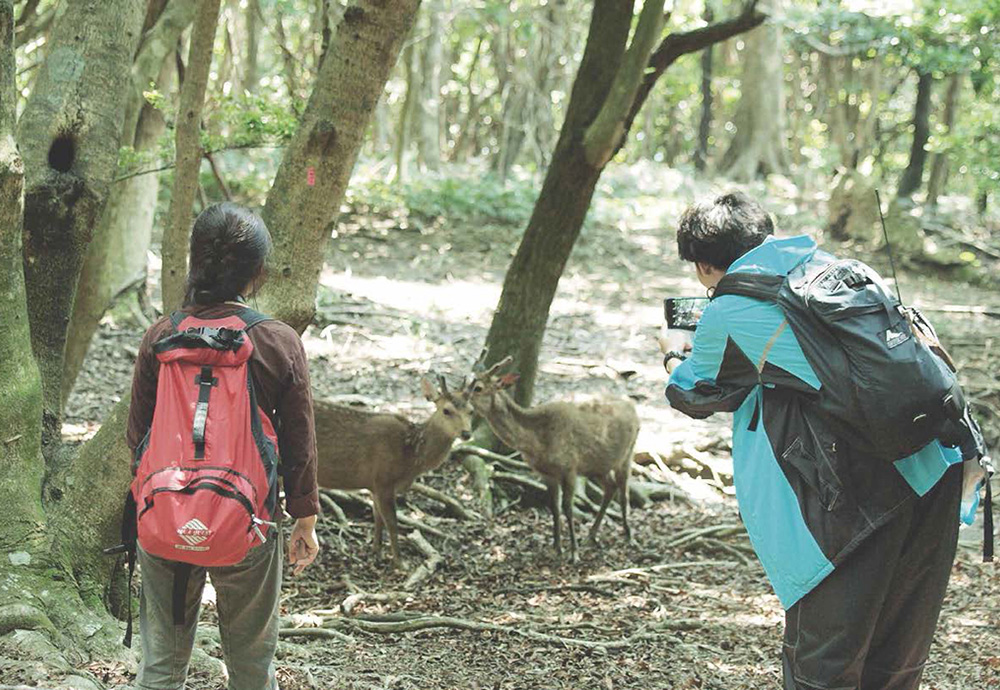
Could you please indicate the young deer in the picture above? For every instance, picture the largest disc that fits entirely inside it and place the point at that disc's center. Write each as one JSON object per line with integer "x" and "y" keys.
{"x": 385, "y": 452}
{"x": 563, "y": 440}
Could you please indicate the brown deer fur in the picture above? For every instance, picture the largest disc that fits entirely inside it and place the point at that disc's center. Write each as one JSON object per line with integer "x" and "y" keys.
{"x": 564, "y": 440}
{"x": 384, "y": 453}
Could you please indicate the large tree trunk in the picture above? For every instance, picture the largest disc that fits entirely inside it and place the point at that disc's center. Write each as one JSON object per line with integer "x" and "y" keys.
{"x": 189, "y": 155}
{"x": 350, "y": 80}
{"x": 38, "y": 597}
{"x": 69, "y": 135}
{"x": 939, "y": 164}
{"x": 116, "y": 256}
{"x": 758, "y": 147}
{"x": 914, "y": 173}
{"x": 610, "y": 88}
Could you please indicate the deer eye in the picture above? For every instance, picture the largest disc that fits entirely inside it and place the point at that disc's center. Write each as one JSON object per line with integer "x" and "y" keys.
{"x": 478, "y": 388}
{"x": 447, "y": 412}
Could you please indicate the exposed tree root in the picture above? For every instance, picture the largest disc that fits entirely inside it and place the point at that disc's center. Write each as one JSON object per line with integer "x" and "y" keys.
{"x": 424, "y": 571}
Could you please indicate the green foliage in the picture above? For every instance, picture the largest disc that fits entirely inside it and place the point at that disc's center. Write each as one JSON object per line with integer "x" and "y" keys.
{"x": 469, "y": 198}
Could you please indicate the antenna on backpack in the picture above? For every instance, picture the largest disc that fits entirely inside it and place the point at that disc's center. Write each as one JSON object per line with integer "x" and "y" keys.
{"x": 888, "y": 247}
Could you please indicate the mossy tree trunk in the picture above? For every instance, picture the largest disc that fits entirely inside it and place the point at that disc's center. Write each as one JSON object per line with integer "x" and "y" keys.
{"x": 116, "y": 257}
{"x": 69, "y": 134}
{"x": 189, "y": 154}
{"x": 613, "y": 81}
{"x": 70, "y": 138}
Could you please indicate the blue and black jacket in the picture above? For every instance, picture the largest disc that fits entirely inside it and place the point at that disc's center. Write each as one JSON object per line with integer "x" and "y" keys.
{"x": 806, "y": 497}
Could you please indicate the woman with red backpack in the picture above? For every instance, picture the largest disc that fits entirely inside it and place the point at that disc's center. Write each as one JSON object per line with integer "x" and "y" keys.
{"x": 219, "y": 393}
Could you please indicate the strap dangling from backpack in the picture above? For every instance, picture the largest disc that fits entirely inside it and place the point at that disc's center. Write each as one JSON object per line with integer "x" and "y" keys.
{"x": 988, "y": 522}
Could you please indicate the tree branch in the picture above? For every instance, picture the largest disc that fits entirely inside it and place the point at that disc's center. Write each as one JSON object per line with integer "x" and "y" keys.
{"x": 676, "y": 45}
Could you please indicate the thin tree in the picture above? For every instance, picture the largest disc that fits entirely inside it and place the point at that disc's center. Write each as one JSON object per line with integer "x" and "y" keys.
{"x": 189, "y": 154}
{"x": 913, "y": 176}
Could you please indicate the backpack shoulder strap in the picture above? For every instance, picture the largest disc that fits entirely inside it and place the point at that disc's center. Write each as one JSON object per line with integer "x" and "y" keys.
{"x": 251, "y": 317}
{"x": 176, "y": 318}
{"x": 756, "y": 285}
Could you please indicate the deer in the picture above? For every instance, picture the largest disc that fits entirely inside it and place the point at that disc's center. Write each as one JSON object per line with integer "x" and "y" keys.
{"x": 385, "y": 452}
{"x": 562, "y": 440}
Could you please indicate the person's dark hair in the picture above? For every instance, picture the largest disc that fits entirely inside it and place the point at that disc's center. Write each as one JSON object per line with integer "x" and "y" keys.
{"x": 229, "y": 244}
{"x": 722, "y": 231}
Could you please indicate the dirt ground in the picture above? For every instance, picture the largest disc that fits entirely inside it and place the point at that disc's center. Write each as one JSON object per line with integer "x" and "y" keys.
{"x": 403, "y": 296}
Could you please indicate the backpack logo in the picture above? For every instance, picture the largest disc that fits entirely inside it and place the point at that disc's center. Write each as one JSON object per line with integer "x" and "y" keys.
{"x": 895, "y": 338}
{"x": 194, "y": 532}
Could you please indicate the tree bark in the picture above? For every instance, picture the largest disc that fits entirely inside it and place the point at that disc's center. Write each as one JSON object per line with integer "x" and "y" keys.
{"x": 429, "y": 143}
{"x": 21, "y": 464}
{"x": 407, "y": 111}
{"x": 705, "y": 121}
{"x": 758, "y": 147}
{"x": 353, "y": 75}
{"x": 69, "y": 135}
{"x": 189, "y": 154}
{"x": 912, "y": 177}
{"x": 604, "y": 101}
{"x": 116, "y": 257}
{"x": 939, "y": 165}
{"x": 250, "y": 72}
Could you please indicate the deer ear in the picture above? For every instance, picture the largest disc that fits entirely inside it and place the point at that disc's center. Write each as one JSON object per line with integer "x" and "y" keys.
{"x": 427, "y": 387}
{"x": 508, "y": 380}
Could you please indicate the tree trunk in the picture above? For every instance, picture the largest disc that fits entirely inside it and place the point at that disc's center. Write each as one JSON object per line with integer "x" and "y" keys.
{"x": 189, "y": 154}
{"x": 116, "y": 256}
{"x": 705, "y": 121}
{"x": 69, "y": 135}
{"x": 251, "y": 77}
{"x": 610, "y": 88}
{"x": 531, "y": 280}
{"x": 939, "y": 165}
{"x": 407, "y": 111}
{"x": 758, "y": 148}
{"x": 909, "y": 183}
{"x": 353, "y": 75}
{"x": 429, "y": 143}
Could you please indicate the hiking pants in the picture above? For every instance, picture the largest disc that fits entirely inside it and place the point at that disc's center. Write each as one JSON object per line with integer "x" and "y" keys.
{"x": 247, "y": 601}
{"x": 870, "y": 623}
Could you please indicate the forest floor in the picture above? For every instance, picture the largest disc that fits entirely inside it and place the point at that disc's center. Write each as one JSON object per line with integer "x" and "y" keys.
{"x": 681, "y": 607}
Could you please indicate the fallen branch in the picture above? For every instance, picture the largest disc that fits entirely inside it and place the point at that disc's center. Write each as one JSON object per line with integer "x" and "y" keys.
{"x": 616, "y": 575}
{"x": 431, "y": 622}
{"x": 455, "y": 508}
{"x": 569, "y": 586}
{"x": 424, "y": 571}
{"x": 348, "y": 605}
{"x": 315, "y": 632}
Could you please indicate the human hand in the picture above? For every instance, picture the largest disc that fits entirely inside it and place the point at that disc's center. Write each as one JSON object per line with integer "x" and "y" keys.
{"x": 672, "y": 339}
{"x": 303, "y": 546}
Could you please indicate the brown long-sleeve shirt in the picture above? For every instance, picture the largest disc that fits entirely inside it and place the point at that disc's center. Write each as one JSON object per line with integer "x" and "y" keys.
{"x": 280, "y": 373}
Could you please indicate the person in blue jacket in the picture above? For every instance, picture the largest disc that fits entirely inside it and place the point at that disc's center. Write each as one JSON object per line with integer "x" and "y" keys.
{"x": 858, "y": 551}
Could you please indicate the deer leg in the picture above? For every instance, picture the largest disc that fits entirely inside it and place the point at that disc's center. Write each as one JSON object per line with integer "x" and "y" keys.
{"x": 378, "y": 531}
{"x": 609, "y": 492}
{"x": 623, "y": 499}
{"x": 568, "y": 494}
{"x": 387, "y": 506}
{"x": 552, "y": 485}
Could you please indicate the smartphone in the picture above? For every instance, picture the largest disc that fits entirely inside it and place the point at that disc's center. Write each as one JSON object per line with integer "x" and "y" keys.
{"x": 683, "y": 312}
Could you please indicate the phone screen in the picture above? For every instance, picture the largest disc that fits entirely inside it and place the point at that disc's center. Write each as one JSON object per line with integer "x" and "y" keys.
{"x": 683, "y": 312}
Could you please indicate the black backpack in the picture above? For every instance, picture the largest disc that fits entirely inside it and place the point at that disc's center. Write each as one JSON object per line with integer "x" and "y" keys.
{"x": 885, "y": 380}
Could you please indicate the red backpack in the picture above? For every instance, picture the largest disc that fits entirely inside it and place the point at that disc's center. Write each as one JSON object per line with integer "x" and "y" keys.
{"x": 205, "y": 484}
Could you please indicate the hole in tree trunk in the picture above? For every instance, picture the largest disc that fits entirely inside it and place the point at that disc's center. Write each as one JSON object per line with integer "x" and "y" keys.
{"x": 62, "y": 153}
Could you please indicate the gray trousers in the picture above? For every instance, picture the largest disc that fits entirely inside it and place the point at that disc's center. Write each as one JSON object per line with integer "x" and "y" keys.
{"x": 247, "y": 597}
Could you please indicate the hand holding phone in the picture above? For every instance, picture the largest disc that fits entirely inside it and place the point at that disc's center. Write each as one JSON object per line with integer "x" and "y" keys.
{"x": 683, "y": 312}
